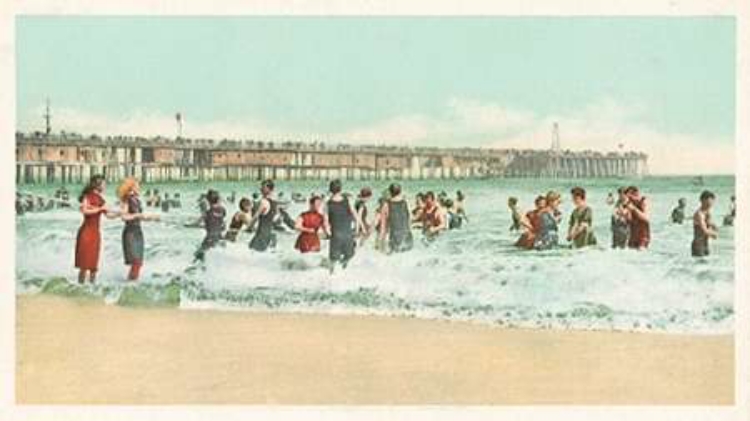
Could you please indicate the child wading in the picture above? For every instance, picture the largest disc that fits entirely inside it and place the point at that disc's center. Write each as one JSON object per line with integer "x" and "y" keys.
{"x": 88, "y": 240}
{"x": 131, "y": 211}
{"x": 581, "y": 231}
{"x": 703, "y": 228}
{"x": 213, "y": 222}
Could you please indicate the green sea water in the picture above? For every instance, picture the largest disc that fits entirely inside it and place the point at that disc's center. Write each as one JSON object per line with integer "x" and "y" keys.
{"x": 472, "y": 274}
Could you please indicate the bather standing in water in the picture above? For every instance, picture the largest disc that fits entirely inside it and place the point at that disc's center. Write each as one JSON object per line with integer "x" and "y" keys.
{"x": 213, "y": 222}
{"x": 581, "y": 230}
{"x": 395, "y": 223}
{"x": 266, "y": 212}
{"x": 729, "y": 218}
{"x": 531, "y": 224}
{"x": 546, "y": 236}
{"x": 703, "y": 228}
{"x": 433, "y": 218}
{"x": 166, "y": 203}
{"x": 131, "y": 211}
{"x": 377, "y": 223}
{"x": 240, "y": 219}
{"x": 343, "y": 222}
{"x": 88, "y": 240}
{"x": 620, "y": 222}
{"x": 610, "y": 199}
{"x": 458, "y": 210}
{"x": 365, "y": 228}
{"x": 678, "y": 213}
{"x": 309, "y": 223}
{"x": 640, "y": 227}
{"x": 515, "y": 214}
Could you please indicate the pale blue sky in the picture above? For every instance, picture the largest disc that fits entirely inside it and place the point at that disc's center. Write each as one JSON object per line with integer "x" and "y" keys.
{"x": 340, "y": 74}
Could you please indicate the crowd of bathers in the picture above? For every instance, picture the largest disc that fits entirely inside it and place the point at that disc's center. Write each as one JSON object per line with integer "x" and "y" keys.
{"x": 629, "y": 222}
{"x": 27, "y": 202}
{"x": 347, "y": 222}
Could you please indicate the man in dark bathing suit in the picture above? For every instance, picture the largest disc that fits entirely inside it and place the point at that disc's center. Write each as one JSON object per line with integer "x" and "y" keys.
{"x": 395, "y": 222}
{"x": 342, "y": 222}
{"x": 213, "y": 222}
{"x": 264, "y": 234}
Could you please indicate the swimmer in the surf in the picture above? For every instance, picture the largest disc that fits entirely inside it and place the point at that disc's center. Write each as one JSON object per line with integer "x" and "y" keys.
{"x": 433, "y": 217}
{"x": 342, "y": 223}
{"x": 264, "y": 215}
{"x": 581, "y": 230}
{"x": 678, "y": 213}
{"x": 213, "y": 222}
{"x": 360, "y": 205}
{"x": 240, "y": 219}
{"x": 515, "y": 214}
{"x": 703, "y": 227}
{"x": 729, "y": 218}
{"x": 394, "y": 223}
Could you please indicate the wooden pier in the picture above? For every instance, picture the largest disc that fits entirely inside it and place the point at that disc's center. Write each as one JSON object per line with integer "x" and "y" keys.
{"x": 66, "y": 158}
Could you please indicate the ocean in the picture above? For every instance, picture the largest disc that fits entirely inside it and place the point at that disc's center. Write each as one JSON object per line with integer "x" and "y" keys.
{"x": 472, "y": 274}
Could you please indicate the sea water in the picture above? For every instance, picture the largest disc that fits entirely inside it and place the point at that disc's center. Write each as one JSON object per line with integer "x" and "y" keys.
{"x": 473, "y": 273}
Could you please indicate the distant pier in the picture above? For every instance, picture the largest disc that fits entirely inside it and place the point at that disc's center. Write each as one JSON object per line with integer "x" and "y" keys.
{"x": 43, "y": 158}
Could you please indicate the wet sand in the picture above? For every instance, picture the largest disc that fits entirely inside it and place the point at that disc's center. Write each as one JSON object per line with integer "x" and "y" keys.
{"x": 77, "y": 351}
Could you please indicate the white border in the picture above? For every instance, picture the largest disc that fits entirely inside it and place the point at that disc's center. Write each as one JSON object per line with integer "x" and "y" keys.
{"x": 8, "y": 11}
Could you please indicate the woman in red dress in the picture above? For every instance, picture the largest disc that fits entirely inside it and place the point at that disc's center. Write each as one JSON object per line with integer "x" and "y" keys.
{"x": 88, "y": 241}
{"x": 308, "y": 224}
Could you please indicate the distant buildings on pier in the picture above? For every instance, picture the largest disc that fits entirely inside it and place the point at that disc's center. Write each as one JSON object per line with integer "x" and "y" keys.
{"x": 69, "y": 158}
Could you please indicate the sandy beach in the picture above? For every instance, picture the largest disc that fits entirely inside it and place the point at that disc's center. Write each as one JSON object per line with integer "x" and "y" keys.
{"x": 77, "y": 351}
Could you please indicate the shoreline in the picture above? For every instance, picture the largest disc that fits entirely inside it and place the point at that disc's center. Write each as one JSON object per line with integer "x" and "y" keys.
{"x": 80, "y": 351}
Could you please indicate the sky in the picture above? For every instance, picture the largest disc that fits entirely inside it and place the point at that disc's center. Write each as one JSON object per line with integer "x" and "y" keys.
{"x": 665, "y": 86}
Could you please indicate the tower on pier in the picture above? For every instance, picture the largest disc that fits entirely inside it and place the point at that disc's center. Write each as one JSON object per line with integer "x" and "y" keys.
{"x": 178, "y": 119}
{"x": 48, "y": 119}
{"x": 555, "y": 150}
